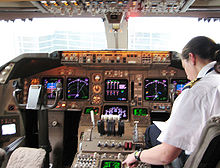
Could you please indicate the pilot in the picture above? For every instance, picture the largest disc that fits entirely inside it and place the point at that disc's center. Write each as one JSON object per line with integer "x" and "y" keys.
{"x": 199, "y": 101}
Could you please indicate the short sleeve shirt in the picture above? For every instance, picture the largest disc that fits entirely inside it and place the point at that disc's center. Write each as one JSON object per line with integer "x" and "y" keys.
{"x": 192, "y": 109}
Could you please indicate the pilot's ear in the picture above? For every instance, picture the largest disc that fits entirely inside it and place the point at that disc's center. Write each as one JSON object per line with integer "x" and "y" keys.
{"x": 192, "y": 57}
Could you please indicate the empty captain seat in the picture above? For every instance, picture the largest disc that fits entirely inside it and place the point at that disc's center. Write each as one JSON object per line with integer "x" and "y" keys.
{"x": 207, "y": 152}
{"x": 27, "y": 158}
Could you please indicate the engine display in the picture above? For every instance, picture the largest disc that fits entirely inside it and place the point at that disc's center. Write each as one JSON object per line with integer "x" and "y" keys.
{"x": 116, "y": 89}
{"x": 120, "y": 110}
{"x": 77, "y": 88}
{"x": 179, "y": 84}
{"x": 156, "y": 89}
{"x": 111, "y": 164}
{"x": 139, "y": 111}
{"x": 50, "y": 84}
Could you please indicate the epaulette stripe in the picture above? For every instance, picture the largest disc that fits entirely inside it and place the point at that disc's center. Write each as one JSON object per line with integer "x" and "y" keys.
{"x": 190, "y": 84}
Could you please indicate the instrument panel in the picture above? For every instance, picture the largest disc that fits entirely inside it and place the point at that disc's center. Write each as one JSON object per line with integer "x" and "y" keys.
{"x": 131, "y": 84}
{"x": 138, "y": 87}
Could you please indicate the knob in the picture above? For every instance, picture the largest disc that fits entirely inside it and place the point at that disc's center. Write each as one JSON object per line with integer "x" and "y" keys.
{"x": 4, "y": 73}
{"x": 119, "y": 156}
{"x": 119, "y": 145}
{"x": 1, "y": 80}
{"x": 54, "y": 123}
{"x": 104, "y": 155}
{"x": 97, "y": 78}
{"x": 99, "y": 144}
{"x": 113, "y": 145}
{"x": 8, "y": 68}
{"x": 94, "y": 155}
{"x": 106, "y": 144}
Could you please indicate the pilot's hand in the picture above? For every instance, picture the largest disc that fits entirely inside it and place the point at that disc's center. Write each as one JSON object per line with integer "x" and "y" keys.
{"x": 130, "y": 161}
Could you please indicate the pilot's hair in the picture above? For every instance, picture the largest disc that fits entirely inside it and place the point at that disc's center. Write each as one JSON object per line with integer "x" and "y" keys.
{"x": 205, "y": 48}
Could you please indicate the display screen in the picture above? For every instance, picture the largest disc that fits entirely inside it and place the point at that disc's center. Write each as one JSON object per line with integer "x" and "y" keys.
{"x": 8, "y": 129}
{"x": 116, "y": 89}
{"x": 156, "y": 89}
{"x": 111, "y": 164}
{"x": 77, "y": 88}
{"x": 139, "y": 111}
{"x": 120, "y": 110}
{"x": 179, "y": 84}
{"x": 88, "y": 109}
{"x": 50, "y": 84}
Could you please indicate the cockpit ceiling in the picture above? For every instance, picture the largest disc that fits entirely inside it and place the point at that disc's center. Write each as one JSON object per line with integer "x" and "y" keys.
{"x": 10, "y": 10}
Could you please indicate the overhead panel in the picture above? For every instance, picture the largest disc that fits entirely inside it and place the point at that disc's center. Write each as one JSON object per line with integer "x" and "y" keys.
{"x": 10, "y": 10}
{"x": 138, "y": 7}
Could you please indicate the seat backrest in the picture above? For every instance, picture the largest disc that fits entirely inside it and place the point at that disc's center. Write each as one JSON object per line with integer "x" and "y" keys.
{"x": 26, "y": 158}
{"x": 207, "y": 152}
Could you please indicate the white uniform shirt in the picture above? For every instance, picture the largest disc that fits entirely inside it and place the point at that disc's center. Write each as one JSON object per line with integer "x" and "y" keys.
{"x": 191, "y": 110}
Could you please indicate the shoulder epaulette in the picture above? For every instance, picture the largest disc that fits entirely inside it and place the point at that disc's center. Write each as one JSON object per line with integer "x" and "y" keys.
{"x": 190, "y": 84}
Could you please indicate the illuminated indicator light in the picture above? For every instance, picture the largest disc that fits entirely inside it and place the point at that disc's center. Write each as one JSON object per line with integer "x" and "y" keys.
{"x": 45, "y": 4}
{"x": 35, "y": 82}
{"x": 66, "y": 4}
{"x": 63, "y": 105}
{"x": 55, "y": 4}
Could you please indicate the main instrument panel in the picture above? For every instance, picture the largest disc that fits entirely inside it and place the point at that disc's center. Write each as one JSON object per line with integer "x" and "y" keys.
{"x": 136, "y": 86}
{"x": 100, "y": 78}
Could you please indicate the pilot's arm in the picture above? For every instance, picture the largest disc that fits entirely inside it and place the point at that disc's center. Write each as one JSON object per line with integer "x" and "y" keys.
{"x": 159, "y": 155}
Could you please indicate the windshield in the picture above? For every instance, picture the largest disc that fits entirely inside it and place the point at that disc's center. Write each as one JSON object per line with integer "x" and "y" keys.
{"x": 168, "y": 33}
{"x": 46, "y": 35}
{"x": 144, "y": 33}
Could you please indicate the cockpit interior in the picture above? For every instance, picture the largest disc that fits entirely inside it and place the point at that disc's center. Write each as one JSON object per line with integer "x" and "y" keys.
{"x": 90, "y": 108}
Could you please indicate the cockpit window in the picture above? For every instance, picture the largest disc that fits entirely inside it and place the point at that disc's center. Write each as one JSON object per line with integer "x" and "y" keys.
{"x": 168, "y": 33}
{"x": 46, "y": 35}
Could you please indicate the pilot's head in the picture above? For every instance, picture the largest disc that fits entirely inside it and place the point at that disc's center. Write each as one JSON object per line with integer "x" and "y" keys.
{"x": 198, "y": 52}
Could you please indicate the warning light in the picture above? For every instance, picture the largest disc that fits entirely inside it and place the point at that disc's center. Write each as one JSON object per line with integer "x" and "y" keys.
{"x": 35, "y": 81}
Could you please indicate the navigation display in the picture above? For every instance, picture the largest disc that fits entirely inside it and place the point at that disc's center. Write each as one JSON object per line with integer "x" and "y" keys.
{"x": 120, "y": 110}
{"x": 179, "y": 84}
{"x": 77, "y": 88}
{"x": 156, "y": 89}
{"x": 50, "y": 84}
{"x": 111, "y": 164}
{"x": 116, "y": 89}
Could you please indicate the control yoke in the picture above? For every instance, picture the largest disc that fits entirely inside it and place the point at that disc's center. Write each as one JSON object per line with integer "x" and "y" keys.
{"x": 34, "y": 95}
{"x": 37, "y": 100}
